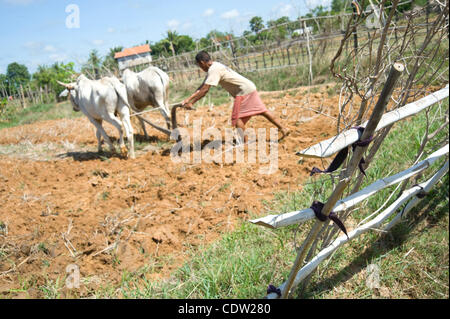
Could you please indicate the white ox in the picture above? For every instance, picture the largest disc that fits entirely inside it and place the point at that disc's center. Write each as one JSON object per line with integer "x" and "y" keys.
{"x": 101, "y": 100}
{"x": 149, "y": 87}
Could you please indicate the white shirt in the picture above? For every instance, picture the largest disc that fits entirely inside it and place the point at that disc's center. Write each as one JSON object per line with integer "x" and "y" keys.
{"x": 233, "y": 82}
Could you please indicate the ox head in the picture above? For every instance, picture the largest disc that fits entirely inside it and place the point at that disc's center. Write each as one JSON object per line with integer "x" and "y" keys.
{"x": 72, "y": 91}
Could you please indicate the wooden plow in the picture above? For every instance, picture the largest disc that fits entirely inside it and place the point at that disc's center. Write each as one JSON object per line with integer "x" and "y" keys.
{"x": 173, "y": 118}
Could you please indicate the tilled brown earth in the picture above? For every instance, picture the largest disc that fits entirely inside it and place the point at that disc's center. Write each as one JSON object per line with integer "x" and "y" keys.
{"x": 61, "y": 203}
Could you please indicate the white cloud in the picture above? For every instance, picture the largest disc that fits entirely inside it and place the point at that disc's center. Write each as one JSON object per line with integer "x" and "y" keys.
{"x": 35, "y": 48}
{"x": 111, "y": 30}
{"x": 186, "y": 25}
{"x": 284, "y": 10}
{"x": 41, "y": 52}
{"x": 315, "y": 3}
{"x": 33, "y": 45}
{"x": 98, "y": 42}
{"x": 208, "y": 12}
{"x": 129, "y": 29}
{"x": 49, "y": 48}
{"x": 135, "y": 4}
{"x": 58, "y": 57}
{"x": 230, "y": 14}
{"x": 173, "y": 24}
{"x": 18, "y": 2}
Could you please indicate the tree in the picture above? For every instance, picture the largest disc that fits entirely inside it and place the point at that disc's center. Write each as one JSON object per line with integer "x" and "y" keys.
{"x": 279, "y": 28}
{"x": 110, "y": 63}
{"x": 93, "y": 65}
{"x": 157, "y": 48}
{"x": 3, "y": 85}
{"x": 256, "y": 24}
{"x": 338, "y": 5}
{"x": 319, "y": 11}
{"x": 282, "y": 20}
{"x": 184, "y": 44}
{"x": 250, "y": 36}
{"x": 49, "y": 75}
{"x": 172, "y": 40}
{"x": 17, "y": 75}
{"x": 204, "y": 43}
{"x": 173, "y": 44}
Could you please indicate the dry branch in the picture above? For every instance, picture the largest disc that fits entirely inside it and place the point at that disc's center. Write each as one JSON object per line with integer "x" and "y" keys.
{"x": 329, "y": 147}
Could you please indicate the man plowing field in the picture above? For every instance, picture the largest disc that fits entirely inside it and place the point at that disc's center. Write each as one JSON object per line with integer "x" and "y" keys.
{"x": 247, "y": 102}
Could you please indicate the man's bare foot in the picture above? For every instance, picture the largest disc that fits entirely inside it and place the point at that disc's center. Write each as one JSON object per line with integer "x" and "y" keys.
{"x": 285, "y": 132}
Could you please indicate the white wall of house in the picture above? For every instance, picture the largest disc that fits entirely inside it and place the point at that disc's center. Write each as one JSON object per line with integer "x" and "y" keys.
{"x": 134, "y": 60}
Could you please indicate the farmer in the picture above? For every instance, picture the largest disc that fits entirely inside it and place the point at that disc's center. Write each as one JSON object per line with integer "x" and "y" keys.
{"x": 247, "y": 102}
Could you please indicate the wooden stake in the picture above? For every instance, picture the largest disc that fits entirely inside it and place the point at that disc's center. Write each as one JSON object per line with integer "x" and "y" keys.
{"x": 378, "y": 111}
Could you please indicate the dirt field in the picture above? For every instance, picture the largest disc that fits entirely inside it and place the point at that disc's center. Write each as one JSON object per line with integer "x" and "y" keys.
{"x": 62, "y": 203}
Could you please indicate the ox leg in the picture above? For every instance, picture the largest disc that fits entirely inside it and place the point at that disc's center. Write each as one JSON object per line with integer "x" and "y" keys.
{"x": 101, "y": 132}
{"x": 125, "y": 117}
{"x": 118, "y": 125}
{"x": 98, "y": 133}
{"x": 165, "y": 113}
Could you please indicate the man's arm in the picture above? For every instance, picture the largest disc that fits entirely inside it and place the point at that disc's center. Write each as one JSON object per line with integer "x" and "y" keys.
{"x": 200, "y": 93}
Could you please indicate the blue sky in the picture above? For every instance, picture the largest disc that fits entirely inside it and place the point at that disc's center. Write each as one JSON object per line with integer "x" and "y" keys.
{"x": 35, "y": 32}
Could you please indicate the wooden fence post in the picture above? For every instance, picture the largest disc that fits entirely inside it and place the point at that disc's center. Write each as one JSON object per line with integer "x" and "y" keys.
{"x": 309, "y": 53}
{"x": 288, "y": 54}
{"x": 378, "y": 111}
{"x": 4, "y": 92}
{"x": 355, "y": 33}
{"x": 22, "y": 97}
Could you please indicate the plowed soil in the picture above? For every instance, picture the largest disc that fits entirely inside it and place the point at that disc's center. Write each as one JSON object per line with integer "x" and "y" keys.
{"x": 62, "y": 203}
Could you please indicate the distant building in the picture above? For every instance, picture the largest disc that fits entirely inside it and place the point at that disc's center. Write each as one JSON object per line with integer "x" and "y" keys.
{"x": 303, "y": 31}
{"x": 133, "y": 56}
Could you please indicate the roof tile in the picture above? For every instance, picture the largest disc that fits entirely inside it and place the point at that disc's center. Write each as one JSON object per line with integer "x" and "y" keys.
{"x": 132, "y": 51}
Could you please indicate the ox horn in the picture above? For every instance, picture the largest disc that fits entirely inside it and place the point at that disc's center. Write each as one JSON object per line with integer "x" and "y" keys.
{"x": 67, "y": 86}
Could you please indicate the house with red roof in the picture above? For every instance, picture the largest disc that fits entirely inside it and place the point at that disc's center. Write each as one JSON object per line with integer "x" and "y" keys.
{"x": 133, "y": 56}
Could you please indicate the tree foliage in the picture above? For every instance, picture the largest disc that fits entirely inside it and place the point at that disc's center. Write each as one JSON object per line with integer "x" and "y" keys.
{"x": 17, "y": 75}
{"x": 49, "y": 75}
{"x": 93, "y": 65}
{"x": 173, "y": 44}
{"x": 256, "y": 24}
{"x": 109, "y": 62}
{"x": 339, "y": 5}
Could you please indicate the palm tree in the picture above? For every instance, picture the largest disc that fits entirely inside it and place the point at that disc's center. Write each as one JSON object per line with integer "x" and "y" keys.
{"x": 172, "y": 38}
{"x": 110, "y": 63}
{"x": 93, "y": 63}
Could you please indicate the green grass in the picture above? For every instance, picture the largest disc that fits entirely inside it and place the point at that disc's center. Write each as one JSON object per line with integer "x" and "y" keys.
{"x": 231, "y": 270}
{"x": 35, "y": 113}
